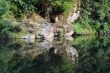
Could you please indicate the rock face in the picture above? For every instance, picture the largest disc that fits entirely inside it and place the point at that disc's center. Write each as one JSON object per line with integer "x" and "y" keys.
{"x": 74, "y": 13}
{"x": 72, "y": 18}
{"x": 39, "y": 27}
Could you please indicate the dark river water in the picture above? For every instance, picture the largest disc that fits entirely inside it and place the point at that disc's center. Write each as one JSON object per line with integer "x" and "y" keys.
{"x": 82, "y": 54}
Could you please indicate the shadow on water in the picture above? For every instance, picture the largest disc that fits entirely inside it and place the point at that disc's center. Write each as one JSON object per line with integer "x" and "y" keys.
{"x": 94, "y": 54}
{"x": 84, "y": 54}
{"x": 57, "y": 56}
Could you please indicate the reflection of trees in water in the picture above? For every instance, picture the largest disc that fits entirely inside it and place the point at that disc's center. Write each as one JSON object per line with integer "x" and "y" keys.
{"x": 55, "y": 57}
{"x": 61, "y": 47}
{"x": 94, "y": 55}
{"x": 38, "y": 57}
{"x": 55, "y": 64}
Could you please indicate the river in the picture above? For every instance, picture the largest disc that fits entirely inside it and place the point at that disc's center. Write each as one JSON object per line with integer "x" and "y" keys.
{"x": 82, "y": 54}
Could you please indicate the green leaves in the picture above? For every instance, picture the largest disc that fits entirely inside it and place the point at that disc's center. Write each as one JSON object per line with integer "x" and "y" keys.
{"x": 8, "y": 31}
{"x": 93, "y": 54}
{"x": 95, "y": 13}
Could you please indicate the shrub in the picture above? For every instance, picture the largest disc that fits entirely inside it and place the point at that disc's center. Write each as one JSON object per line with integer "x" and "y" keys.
{"x": 95, "y": 13}
{"x": 8, "y": 31}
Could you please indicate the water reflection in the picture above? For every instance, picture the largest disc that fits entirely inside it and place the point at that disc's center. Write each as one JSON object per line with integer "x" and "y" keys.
{"x": 40, "y": 56}
{"x": 57, "y": 46}
{"x": 94, "y": 54}
{"x": 84, "y": 54}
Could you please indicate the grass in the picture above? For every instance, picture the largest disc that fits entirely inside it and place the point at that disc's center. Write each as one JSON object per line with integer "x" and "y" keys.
{"x": 81, "y": 29}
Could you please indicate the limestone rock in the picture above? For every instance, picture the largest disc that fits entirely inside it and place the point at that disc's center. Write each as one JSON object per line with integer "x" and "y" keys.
{"x": 72, "y": 18}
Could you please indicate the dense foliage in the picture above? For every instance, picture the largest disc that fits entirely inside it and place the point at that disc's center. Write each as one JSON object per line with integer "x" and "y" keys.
{"x": 10, "y": 10}
{"x": 20, "y": 7}
{"x": 94, "y": 54}
{"x": 7, "y": 30}
{"x": 16, "y": 57}
{"x": 95, "y": 14}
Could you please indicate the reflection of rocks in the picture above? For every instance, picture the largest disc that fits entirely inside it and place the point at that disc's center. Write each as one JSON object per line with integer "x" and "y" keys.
{"x": 34, "y": 49}
{"x": 71, "y": 52}
{"x": 46, "y": 30}
{"x": 29, "y": 38}
{"x": 44, "y": 47}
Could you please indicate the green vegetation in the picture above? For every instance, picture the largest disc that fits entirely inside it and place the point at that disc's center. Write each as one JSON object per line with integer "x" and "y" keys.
{"x": 13, "y": 59}
{"x": 7, "y": 30}
{"x": 83, "y": 29}
{"x": 93, "y": 54}
{"x": 93, "y": 51}
{"x": 18, "y": 8}
{"x": 95, "y": 15}
{"x": 93, "y": 57}
{"x": 15, "y": 10}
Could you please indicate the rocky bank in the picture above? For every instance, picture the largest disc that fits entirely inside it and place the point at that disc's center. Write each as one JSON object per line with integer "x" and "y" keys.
{"x": 39, "y": 27}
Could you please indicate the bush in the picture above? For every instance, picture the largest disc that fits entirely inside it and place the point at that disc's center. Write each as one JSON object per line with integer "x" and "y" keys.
{"x": 24, "y": 7}
{"x": 8, "y": 31}
{"x": 95, "y": 13}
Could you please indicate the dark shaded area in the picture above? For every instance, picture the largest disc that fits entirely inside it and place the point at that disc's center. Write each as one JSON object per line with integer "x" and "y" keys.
{"x": 13, "y": 60}
{"x": 94, "y": 55}
{"x": 47, "y": 9}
